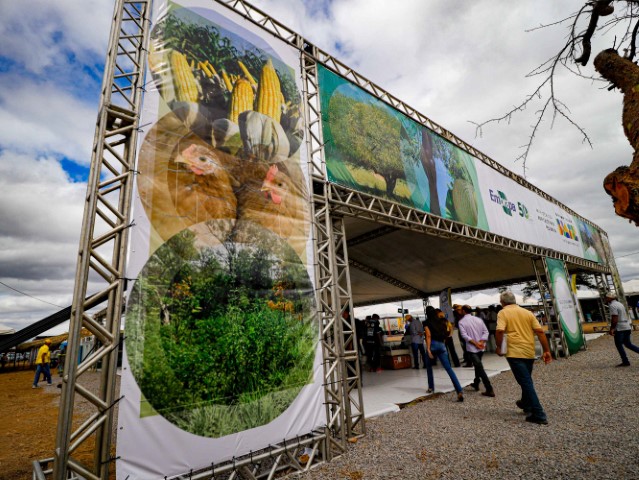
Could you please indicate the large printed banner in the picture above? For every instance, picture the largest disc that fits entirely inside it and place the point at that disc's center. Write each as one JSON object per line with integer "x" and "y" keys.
{"x": 376, "y": 149}
{"x": 222, "y": 353}
{"x": 565, "y": 304}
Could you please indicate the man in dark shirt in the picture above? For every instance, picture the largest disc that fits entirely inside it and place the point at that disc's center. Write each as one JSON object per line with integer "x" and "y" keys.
{"x": 373, "y": 343}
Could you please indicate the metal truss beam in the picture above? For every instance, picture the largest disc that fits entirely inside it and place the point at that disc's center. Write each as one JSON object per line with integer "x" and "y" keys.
{"x": 103, "y": 244}
{"x": 345, "y": 408}
{"x": 348, "y": 202}
{"x": 372, "y": 235}
{"x": 387, "y": 278}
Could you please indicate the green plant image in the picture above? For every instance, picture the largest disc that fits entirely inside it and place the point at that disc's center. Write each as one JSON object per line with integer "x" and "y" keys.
{"x": 220, "y": 335}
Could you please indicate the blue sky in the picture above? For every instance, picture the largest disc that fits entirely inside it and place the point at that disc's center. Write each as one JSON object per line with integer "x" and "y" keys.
{"x": 453, "y": 62}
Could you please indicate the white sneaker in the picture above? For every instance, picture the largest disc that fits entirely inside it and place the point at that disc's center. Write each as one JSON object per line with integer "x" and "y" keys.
{"x": 34, "y": 386}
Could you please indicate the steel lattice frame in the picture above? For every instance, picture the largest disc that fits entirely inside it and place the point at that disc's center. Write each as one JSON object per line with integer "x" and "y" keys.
{"x": 348, "y": 202}
{"x": 103, "y": 244}
{"x": 102, "y": 254}
{"x": 345, "y": 412}
{"x": 547, "y": 300}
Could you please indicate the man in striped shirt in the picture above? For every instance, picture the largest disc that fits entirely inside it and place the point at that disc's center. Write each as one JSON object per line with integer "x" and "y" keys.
{"x": 474, "y": 332}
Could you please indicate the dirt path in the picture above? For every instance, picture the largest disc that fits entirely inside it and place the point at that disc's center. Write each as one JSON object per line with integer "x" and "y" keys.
{"x": 28, "y": 425}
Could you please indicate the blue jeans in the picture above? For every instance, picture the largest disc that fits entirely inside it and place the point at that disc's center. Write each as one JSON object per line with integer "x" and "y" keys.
{"x": 522, "y": 370}
{"x": 44, "y": 369}
{"x": 623, "y": 339}
{"x": 417, "y": 349}
{"x": 438, "y": 349}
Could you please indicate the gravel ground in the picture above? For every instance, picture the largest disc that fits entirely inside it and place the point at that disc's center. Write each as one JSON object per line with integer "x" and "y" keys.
{"x": 592, "y": 431}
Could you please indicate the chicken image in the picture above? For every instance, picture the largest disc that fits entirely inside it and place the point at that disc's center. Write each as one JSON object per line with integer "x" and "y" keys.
{"x": 200, "y": 160}
{"x": 274, "y": 189}
{"x": 273, "y": 196}
{"x": 183, "y": 180}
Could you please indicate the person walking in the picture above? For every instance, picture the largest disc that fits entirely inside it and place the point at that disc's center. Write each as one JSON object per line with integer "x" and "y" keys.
{"x": 436, "y": 332}
{"x": 450, "y": 345}
{"x": 457, "y": 312}
{"x": 475, "y": 333}
{"x": 42, "y": 364}
{"x": 520, "y": 326}
{"x": 416, "y": 331}
{"x": 620, "y": 328}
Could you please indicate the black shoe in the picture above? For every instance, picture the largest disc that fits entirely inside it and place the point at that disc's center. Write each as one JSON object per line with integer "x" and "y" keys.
{"x": 623, "y": 364}
{"x": 457, "y": 365}
{"x": 475, "y": 385}
{"x": 520, "y": 404}
{"x": 467, "y": 365}
{"x": 415, "y": 368}
{"x": 424, "y": 366}
{"x": 538, "y": 421}
{"x": 488, "y": 393}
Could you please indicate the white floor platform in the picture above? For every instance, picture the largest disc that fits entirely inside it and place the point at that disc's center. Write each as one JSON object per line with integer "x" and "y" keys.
{"x": 384, "y": 391}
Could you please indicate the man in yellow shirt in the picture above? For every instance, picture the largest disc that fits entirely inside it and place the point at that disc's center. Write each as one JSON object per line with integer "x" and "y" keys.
{"x": 521, "y": 326}
{"x": 42, "y": 364}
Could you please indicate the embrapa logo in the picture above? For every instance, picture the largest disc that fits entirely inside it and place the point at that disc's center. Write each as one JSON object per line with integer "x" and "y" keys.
{"x": 509, "y": 207}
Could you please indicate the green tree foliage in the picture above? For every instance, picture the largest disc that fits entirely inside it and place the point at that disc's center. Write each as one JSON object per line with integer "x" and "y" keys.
{"x": 218, "y": 327}
{"x": 368, "y": 136}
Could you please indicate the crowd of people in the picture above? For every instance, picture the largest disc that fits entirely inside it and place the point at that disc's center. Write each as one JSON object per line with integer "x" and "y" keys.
{"x": 506, "y": 329}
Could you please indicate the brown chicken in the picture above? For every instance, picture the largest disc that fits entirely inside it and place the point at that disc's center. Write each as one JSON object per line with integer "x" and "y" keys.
{"x": 275, "y": 197}
{"x": 183, "y": 181}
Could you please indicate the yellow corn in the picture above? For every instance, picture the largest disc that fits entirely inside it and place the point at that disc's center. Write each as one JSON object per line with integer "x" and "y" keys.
{"x": 247, "y": 74}
{"x": 186, "y": 89}
{"x": 227, "y": 81}
{"x": 201, "y": 66}
{"x": 241, "y": 99}
{"x": 210, "y": 68}
{"x": 269, "y": 93}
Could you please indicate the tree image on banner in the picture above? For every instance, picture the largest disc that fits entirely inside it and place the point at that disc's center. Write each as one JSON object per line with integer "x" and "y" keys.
{"x": 367, "y": 135}
{"x": 378, "y": 150}
{"x": 615, "y": 20}
{"x": 220, "y": 336}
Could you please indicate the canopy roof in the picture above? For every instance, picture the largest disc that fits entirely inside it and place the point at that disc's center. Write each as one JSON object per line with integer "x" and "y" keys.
{"x": 391, "y": 264}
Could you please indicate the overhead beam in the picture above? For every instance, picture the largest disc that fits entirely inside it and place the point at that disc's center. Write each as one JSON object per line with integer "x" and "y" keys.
{"x": 387, "y": 278}
{"x": 372, "y": 235}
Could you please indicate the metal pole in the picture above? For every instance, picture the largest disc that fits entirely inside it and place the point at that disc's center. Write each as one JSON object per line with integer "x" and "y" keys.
{"x": 103, "y": 242}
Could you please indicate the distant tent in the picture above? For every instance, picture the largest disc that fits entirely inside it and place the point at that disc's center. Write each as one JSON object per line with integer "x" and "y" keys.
{"x": 4, "y": 330}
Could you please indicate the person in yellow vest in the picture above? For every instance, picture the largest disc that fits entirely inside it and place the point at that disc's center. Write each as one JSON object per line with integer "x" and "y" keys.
{"x": 42, "y": 364}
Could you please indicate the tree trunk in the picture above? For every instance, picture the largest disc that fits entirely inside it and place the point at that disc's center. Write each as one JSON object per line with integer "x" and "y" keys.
{"x": 623, "y": 184}
{"x": 390, "y": 185}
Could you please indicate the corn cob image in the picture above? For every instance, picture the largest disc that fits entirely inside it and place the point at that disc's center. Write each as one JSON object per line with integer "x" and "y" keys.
{"x": 241, "y": 99}
{"x": 269, "y": 93}
{"x": 186, "y": 88}
{"x": 247, "y": 74}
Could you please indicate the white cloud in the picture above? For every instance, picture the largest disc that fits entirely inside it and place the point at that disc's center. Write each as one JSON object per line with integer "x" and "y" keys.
{"x": 39, "y": 116}
{"x": 41, "y": 34}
